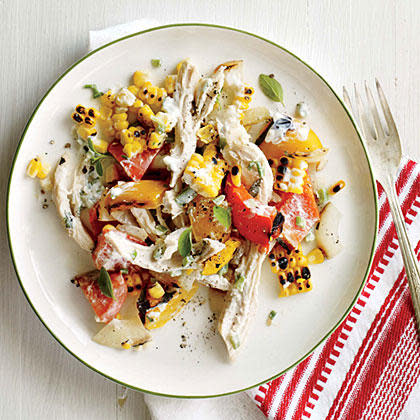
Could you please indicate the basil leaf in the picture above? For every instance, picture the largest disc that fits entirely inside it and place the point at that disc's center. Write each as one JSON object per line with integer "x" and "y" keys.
{"x": 90, "y": 145}
{"x": 256, "y": 164}
{"x": 99, "y": 168}
{"x": 185, "y": 243}
{"x": 95, "y": 91}
{"x": 222, "y": 215}
{"x": 105, "y": 284}
{"x": 187, "y": 260}
{"x": 156, "y": 62}
{"x": 272, "y": 314}
{"x": 185, "y": 196}
{"x": 271, "y": 88}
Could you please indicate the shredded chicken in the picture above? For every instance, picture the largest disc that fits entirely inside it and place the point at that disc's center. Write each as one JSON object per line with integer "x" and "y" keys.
{"x": 146, "y": 222}
{"x": 62, "y": 192}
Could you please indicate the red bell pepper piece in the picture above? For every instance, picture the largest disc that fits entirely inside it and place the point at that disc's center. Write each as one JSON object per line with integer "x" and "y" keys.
{"x": 253, "y": 219}
{"x": 105, "y": 308}
{"x": 135, "y": 167}
{"x": 302, "y": 206}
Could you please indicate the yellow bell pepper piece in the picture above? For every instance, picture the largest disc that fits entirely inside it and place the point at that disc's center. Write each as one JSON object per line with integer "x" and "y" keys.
{"x": 216, "y": 262}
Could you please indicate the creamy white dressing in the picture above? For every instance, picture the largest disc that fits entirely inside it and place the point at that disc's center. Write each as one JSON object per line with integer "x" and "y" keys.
{"x": 125, "y": 98}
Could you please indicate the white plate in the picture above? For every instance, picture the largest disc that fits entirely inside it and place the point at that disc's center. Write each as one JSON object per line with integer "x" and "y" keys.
{"x": 45, "y": 259}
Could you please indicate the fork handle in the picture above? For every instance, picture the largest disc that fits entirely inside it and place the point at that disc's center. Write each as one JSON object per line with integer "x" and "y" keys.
{"x": 411, "y": 264}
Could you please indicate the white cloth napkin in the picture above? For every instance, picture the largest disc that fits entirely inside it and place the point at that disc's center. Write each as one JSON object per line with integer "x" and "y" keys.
{"x": 236, "y": 407}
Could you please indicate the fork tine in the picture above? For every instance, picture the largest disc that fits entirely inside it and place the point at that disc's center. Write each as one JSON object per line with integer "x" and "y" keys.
{"x": 376, "y": 120}
{"x": 363, "y": 123}
{"x": 392, "y": 128}
{"x": 347, "y": 100}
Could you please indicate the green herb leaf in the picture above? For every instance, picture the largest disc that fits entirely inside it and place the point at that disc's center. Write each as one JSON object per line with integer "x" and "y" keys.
{"x": 125, "y": 157}
{"x": 124, "y": 271}
{"x": 239, "y": 282}
{"x": 68, "y": 220}
{"x": 219, "y": 200}
{"x": 134, "y": 254}
{"x": 222, "y": 142}
{"x": 185, "y": 196}
{"x": 185, "y": 243}
{"x": 99, "y": 168}
{"x": 223, "y": 270}
{"x": 272, "y": 314}
{"x": 322, "y": 197}
{"x": 156, "y": 62}
{"x": 271, "y": 88}
{"x": 300, "y": 221}
{"x": 257, "y": 165}
{"x": 187, "y": 260}
{"x": 222, "y": 215}
{"x": 105, "y": 284}
{"x": 95, "y": 92}
{"x": 254, "y": 189}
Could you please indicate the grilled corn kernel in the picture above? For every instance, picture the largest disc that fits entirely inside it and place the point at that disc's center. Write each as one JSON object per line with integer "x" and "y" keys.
{"x": 236, "y": 175}
{"x": 107, "y": 228}
{"x": 121, "y": 125}
{"x": 216, "y": 262}
{"x": 289, "y": 174}
{"x": 145, "y": 115}
{"x": 80, "y": 109}
{"x": 138, "y": 146}
{"x": 33, "y": 167}
{"x": 156, "y": 291}
{"x": 108, "y": 99}
{"x": 133, "y": 89}
{"x": 101, "y": 146}
{"x": 338, "y": 186}
{"x": 139, "y": 78}
{"x": 207, "y": 134}
{"x": 155, "y": 140}
{"x": 85, "y": 132}
{"x": 126, "y": 345}
{"x": 105, "y": 112}
{"x": 169, "y": 84}
{"x": 138, "y": 132}
{"x": 152, "y": 96}
{"x": 76, "y": 117}
{"x": 133, "y": 281}
{"x": 128, "y": 150}
{"x": 126, "y": 137}
{"x": 205, "y": 174}
{"x": 315, "y": 256}
{"x": 144, "y": 91}
{"x": 89, "y": 121}
{"x": 93, "y": 113}
{"x": 137, "y": 104}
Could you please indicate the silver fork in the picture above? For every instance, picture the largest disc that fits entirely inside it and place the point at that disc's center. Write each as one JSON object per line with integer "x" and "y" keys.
{"x": 384, "y": 148}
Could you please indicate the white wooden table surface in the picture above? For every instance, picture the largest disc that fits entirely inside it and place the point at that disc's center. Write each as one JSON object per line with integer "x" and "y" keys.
{"x": 345, "y": 41}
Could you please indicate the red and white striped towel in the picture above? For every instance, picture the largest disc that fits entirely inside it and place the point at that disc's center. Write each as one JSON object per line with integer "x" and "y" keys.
{"x": 368, "y": 367}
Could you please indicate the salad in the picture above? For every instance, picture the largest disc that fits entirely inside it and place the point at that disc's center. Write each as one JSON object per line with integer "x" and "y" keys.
{"x": 185, "y": 184}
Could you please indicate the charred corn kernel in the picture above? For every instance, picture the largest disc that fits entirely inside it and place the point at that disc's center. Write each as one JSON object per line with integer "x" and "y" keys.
{"x": 248, "y": 91}
{"x": 133, "y": 89}
{"x": 93, "y": 113}
{"x": 138, "y": 132}
{"x": 207, "y": 134}
{"x": 169, "y": 84}
{"x": 89, "y": 121}
{"x": 315, "y": 256}
{"x": 120, "y": 110}
{"x": 108, "y": 99}
{"x": 137, "y": 104}
{"x": 133, "y": 281}
{"x": 153, "y": 93}
{"x": 119, "y": 117}
{"x": 292, "y": 269}
{"x": 145, "y": 115}
{"x": 216, "y": 262}
{"x": 138, "y": 146}
{"x": 80, "y": 109}
{"x": 156, "y": 291}
{"x": 289, "y": 174}
{"x": 106, "y": 123}
{"x": 33, "y": 167}
{"x": 126, "y": 345}
{"x": 101, "y": 146}
{"x": 105, "y": 112}
{"x": 204, "y": 174}
{"x": 236, "y": 175}
{"x": 107, "y": 228}
{"x": 85, "y": 132}
{"x": 77, "y": 118}
{"x": 144, "y": 91}
{"x": 338, "y": 186}
{"x": 121, "y": 125}
{"x": 139, "y": 78}
{"x": 155, "y": 140}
